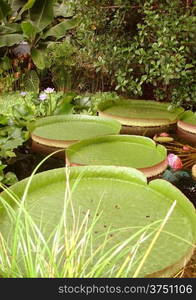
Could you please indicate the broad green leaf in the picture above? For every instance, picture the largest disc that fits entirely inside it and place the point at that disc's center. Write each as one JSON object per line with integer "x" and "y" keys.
{"x": 31, "y": 82}
{"x": 8, "y": 40}
{"x": 66, "y": 108}
{"x": 57, "y": 130}
{"x": 140, "y": 112}
{"x": 42, "y": 13}
{"x": 29, "y": 29}
{"x": 64, "y": 105}
{"x": 9, "y": 28}
{"x": 60, "y": 29}
{"x": 38, "y": 57}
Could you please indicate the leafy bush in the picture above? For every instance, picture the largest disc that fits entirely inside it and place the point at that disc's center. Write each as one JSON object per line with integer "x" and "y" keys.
{"x": 143, "y": 48}
{"x": 31, "y": 25}
{"x": 18, "y": 110}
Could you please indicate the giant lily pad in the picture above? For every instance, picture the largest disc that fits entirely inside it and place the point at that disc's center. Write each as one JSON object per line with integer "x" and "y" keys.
{"x": 140, "y": 116}
{"x": 123, "y": 150}
{"x": 125, "y": 204}
{"x": 187, "y": 127}
{"x": 60, "y": 131}
{"x": 188, "y": 121}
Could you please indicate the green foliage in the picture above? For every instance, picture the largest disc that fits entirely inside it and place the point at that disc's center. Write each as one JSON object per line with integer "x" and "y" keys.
{"x": 31, "y": 82}
{"x": 36, "y": 23}
{"x": 10, "y": 39}
{"x": 60, "y": 29}
{"x": 41, "y": 13}
{"x": 138, "y": 48}
{"x": 4, "y": 9}
{"x": 17, "y": 113}
{"x": 144, "y": 48}
{"x": 61, "y": 59}
{"x": 88, "y": 103}
{"x": 11, "y": 137}
{"x": 63, "y": 225}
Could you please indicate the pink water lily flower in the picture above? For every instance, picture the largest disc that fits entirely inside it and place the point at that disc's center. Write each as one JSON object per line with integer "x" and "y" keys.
{"x": 174, "y": 162}
{"x": 164, "y": 134}
{"x": 186, "y": 148}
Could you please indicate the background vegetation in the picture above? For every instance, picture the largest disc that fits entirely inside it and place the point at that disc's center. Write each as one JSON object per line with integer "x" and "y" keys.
{"x": 141, "y": 49}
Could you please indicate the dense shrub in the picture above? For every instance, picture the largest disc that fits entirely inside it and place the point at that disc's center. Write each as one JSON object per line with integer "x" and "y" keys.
{"x": 143, "y": 48}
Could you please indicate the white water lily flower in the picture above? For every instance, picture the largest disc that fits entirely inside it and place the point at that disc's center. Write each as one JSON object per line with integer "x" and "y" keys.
{"x": 43, "y": 96}
{"x": 49, "y": 90}
{"x": 23, "y": 94}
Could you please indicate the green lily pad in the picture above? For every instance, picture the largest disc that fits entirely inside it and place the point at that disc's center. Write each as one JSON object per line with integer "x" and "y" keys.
{"x": 123, "y": 150}
{"x": 60, "y": 131}
{"x": 142, "y": 113}
{"x": 125, "y": 204}
{"x": 188, "y": 122}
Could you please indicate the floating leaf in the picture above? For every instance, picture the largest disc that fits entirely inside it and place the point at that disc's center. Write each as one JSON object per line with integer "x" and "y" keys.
{"x": 140, "y": 112}
{"x": 187, "y": 122}
{"x": 129, "y": 210}
{"x": 120, "y": 150}
{"x": 59, "y": 131}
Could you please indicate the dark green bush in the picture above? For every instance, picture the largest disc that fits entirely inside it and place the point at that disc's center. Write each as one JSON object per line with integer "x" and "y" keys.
{"x": 141, "y": 48}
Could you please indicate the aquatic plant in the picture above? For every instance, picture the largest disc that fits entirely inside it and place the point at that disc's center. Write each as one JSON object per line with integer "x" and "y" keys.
{"x": 94, "y": 222}
{"x": 120, "y": 150}
{"x": 186, "y": 153}
{"x": 174, "y": 162}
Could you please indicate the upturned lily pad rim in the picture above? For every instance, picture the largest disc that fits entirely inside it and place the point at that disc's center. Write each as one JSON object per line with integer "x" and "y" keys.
{"x": 140, "y": 140}
{"x": 113, "y": 124}
{"x": 187, "y": 122}
{"x": 128, "y": 175}
{"x": 140, "y": 122}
